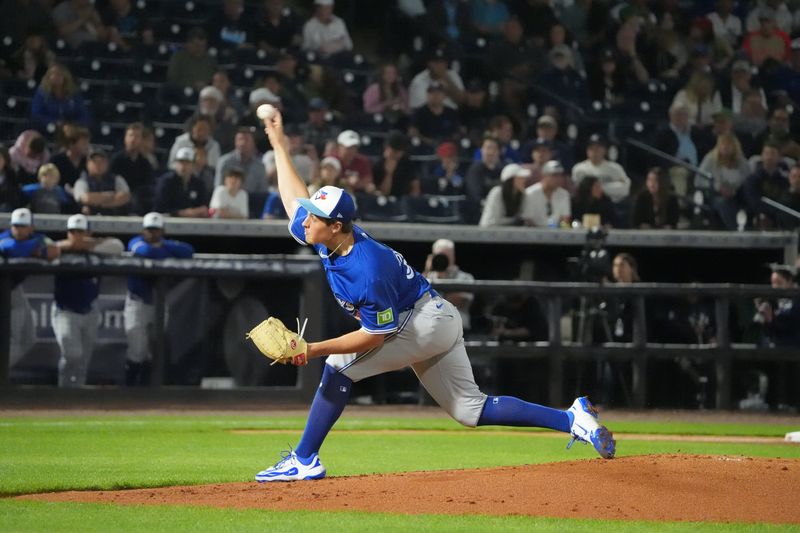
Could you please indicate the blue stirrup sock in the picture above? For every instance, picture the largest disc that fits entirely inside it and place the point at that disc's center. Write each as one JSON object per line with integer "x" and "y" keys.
{"x": 329, "y": 401}
{"x": 510, "y": 411}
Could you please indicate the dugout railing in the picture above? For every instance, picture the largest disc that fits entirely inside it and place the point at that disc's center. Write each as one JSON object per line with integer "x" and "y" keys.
{"x": 557, "y": 299}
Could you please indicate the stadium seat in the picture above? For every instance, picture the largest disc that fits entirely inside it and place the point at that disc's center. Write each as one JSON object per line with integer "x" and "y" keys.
{"x": 434, "y": 209}
{"x": 380, "y": 208}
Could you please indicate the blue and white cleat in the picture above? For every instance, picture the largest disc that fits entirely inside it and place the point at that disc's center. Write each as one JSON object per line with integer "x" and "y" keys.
{"x": 293, "y": 468}
{"x": 587, "y": 428}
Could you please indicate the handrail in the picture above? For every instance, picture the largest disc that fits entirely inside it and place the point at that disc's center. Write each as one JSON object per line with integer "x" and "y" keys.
{"x": 672, "y": 159}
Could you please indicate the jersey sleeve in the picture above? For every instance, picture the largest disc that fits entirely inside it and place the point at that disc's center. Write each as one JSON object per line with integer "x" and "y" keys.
{"x": 379, "y": 313}
{"x": 178, "y": 249}
{"x": 296, "y": 225}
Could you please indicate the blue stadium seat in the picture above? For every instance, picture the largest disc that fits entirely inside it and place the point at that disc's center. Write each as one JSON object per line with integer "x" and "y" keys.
{"x": 380, "y": 208}
{"x": 434, "y": 209}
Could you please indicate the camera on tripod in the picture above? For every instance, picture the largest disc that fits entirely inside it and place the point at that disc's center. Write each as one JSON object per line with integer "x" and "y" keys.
{"x": 594, "y": 263}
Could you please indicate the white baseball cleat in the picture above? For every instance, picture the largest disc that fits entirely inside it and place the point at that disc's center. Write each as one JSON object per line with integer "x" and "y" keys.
{"x": 293, "y": 468}
{"x": 587, "y": 428}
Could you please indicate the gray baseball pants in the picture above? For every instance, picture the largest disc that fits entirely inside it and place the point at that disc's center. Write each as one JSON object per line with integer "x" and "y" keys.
{"x": 75, "y": 335}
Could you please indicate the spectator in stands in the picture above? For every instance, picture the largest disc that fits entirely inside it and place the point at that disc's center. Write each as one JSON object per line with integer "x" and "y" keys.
{"x": 71, "y": 161}
{"x": 768, "y": 41}
{"x": 476, "y": 110}
{"x": 504, "y": 202}
{"x": 558, "y": 36}
{"x": 330, "y": 173}
{"x": 222, "y": 82}
{"x": 230, "y": 28}
{"x": 211, "y": 102}
{"x": 394, "y": 174}
{"x": 778, "y": 131}
{"x": 250, "y": 119}
{"x": 701, "y": 98}
{"x": 547, "y": 131}
{"x": 140, "y": 312}
{"x": 292, "y": 87}
{"x": 776, "y": 10}
{"x": 769, "y": 180}
{"x": 629, "y": 58}
{"x": 725, "y": 23}
{"x": 679, "y": 140}
{"x": 99, "y": 191}
{"x": 541, "y": 153}
{"x": 22, "y": 241}
{"x": 148, "y": 148}
{"x": 192, "y": 65}
{"x": 562, "y": 80}
{"x": 779, "y": 319}
{"x": 706, "y": 52}
{"x": 304, "y": 157}
{"x": 386, "y": 94}
{"x": 128, "y": 25}
{"x": 586, "y": 21}
{"x": 590, "y": 200}
{"x": 47, "y": 196}
{"x": 616, "y": 183}
{"x": 437, "y": 71}
{"x": 449, "y": 21}
{"x": 74, "y": 315}
{"x": 356, "y": 167}
{"x": 791, "y": 198}
{"x": 179, "y": 192}
{"x": 135, "y": 169}
{"x": 230, "y": 200}
{"x": 502, "y": 129}
{"x": 318, "y": 131}
{"x": 751, "y": 121}
{"x": 434, "y": 122}
{"x": 27, "y": 155}
{"x": 34, "y": 57}
{"x": 729, "y": 169}
{"x": 733, "y": 94}
{"x": 481, "y": 177}
{"x": 9, "y": 188}
{"x": 488, "y": 17}
{"x": 202, "y": 170}
{"x": 277, "y": 27}
{"x": 606, "y": 83}
{"x": 199, "y": 134}
{"x": 58, "y": 100}
{"x": 441, "y": 265}
{"x": 445, "y": 177}
{"x": 244, "y": 156}
{"x": 547, "y": 203}
{"x": 655, "y": 206}
{"x": 325, "y": 33}
{"x": 78, "y": 22}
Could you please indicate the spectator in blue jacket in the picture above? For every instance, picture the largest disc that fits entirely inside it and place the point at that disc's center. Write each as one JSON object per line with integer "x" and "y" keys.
{"x": 47, "y": 196}
{"x": 57, "y": 100}
{"x": 17, "y": 242}
{"x": 139, "y": 306}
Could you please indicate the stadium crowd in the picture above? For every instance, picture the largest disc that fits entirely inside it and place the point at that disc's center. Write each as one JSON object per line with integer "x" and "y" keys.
{"x": 149, "y": 105}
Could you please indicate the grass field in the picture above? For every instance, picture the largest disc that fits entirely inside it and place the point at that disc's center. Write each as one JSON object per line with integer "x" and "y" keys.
{"x": 39, "y": 454}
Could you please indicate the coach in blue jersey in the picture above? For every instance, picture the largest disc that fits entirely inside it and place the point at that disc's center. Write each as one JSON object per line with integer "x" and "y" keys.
{"x": 21, "y": 241}
{"x": 74, "y": 315}
{"x": 404, "y": 322}
{"x": 139, "y": 309}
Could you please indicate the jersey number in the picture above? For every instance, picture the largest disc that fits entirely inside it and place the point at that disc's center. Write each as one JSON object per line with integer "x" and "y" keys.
{"x": 402, "y": 262}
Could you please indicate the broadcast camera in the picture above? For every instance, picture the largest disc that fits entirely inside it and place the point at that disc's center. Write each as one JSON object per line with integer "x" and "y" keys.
{"x": 594, "y": 263}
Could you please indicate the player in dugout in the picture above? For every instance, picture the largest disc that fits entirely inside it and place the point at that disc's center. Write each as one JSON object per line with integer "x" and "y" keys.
{"x": 404, "y": 322}
{"x": 74, "y": 315}
{"x": 140, "y": 313}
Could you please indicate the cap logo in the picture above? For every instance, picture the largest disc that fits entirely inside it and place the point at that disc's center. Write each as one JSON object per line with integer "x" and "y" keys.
{"x": 321, "y": 195}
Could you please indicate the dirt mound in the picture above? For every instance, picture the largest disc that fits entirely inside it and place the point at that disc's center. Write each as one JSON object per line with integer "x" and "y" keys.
{"x": 650, "y": 487}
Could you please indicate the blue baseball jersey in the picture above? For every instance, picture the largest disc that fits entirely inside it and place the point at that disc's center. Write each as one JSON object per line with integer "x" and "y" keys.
{"x": 34, "y": 246}
{"x": 167, "y": 248}
{"x": 373, "y": 282}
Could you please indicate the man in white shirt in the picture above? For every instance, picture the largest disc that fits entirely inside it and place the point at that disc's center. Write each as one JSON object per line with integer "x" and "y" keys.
{"x": 547, "y": 203}
{"x": 325, "y": 33}
{"x": 616, "y": 183}
{"x": 437, "y": 71}
{"x": 726, "y": 25}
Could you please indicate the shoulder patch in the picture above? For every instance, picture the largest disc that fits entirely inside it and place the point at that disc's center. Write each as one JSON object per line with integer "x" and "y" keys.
{"x": 385, "y": 317}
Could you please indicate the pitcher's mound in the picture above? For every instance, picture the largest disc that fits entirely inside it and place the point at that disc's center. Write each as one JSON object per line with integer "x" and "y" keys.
{"x": 650, "y": 487}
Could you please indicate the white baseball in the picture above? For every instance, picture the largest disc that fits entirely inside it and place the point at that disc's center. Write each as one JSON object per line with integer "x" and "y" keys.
{"x": 266, "y": 111}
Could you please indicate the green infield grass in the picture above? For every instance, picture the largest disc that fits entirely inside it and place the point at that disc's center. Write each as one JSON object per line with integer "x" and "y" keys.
{"x": 40, "y": 454}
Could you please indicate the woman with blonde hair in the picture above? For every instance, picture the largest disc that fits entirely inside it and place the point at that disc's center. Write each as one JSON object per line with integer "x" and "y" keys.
{"x": 58, "y": 100}
{"x": 702, "y": 98}
{"x": 728, "y": 168}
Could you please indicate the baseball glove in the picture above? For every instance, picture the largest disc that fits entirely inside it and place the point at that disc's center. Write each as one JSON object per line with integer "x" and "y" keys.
{"x": 280, "y": 344}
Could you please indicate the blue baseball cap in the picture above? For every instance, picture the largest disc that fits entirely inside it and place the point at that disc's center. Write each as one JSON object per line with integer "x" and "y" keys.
{"x": 330, "y": 202}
